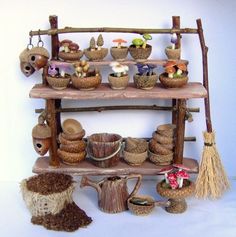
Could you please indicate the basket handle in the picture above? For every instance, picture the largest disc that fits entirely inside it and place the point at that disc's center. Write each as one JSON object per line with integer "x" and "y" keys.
{"x": 107, "y": 157}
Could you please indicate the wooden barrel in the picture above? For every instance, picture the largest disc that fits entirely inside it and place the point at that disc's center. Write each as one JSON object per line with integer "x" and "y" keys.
{"x": 104, "y": 149}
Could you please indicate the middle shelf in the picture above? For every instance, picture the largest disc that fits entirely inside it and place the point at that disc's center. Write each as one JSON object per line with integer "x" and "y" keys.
{"x": 191, "y": 90}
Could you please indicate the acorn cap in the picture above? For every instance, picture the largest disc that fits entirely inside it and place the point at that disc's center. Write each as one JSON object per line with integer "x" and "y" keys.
{"x": 24, "y": 55}
{"x": 41, "y": 131}
{"x": 40, "y": 51}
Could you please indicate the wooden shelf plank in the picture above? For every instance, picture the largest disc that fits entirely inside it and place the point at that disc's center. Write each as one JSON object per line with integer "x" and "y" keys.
{"x": 87, "y": 168}
{"x": 191, "y": 90}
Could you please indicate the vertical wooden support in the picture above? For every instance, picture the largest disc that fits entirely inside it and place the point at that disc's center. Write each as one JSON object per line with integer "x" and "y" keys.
{"x": 175, "y": 25}
{"x": 51, "y": 120}
{"x": 55, "y": 50}
{"x": 180, "y": 130}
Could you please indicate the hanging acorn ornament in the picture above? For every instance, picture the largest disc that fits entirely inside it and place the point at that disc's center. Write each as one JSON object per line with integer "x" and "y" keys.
{"x": 38, "y": 56}
{"x": 25, "y": 66}
{"x": 41, "y": 135}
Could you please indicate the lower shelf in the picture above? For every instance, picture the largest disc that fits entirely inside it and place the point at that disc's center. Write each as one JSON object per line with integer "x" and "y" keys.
{"x": 87, "y": 168}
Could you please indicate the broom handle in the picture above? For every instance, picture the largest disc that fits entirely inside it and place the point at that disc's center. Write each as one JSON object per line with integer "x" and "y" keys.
{"x": 205, "y": 75}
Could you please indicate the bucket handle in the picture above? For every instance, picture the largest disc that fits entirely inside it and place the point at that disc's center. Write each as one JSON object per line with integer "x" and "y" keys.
{"x": 107, "y": 157}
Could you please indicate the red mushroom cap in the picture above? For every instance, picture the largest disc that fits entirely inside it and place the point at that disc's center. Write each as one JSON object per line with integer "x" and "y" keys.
{"x": 166, "y": 170}
{"x": 171, "y": 177}
{"x": 65, "y": 41}
{"x": 174, "y": 184}
{"x": 73, "y": 46}
{"x": 180, "y": 166}
{"x": 182, "y": 174}
{"x": 119, "y": 41}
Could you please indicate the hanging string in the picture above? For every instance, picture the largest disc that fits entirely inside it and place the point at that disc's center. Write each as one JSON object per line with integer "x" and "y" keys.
{"x": 30, "y": 45}
{"x": 40, "y": 42}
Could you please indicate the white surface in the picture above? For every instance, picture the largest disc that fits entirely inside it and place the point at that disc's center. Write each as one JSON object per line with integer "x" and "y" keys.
{"x": 202, "y": 218}
{"x": 17, "y": 18}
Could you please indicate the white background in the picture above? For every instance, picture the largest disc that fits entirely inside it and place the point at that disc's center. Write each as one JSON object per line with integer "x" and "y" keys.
{"x": 17, "y": 18}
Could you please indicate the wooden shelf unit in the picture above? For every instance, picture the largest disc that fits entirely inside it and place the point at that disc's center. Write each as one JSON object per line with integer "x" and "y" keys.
{"x": 53, "y": 103}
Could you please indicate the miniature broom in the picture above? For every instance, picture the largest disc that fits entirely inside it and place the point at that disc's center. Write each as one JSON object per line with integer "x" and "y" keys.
{"x": 212, "y": 180}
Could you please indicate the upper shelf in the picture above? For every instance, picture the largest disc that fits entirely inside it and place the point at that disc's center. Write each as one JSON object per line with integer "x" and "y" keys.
{"x": 191, "y": 90}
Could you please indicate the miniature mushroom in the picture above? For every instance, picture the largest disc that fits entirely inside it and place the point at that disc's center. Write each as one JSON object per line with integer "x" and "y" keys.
{"x": 181, "y": 167}
{"x": 181, "y": 175}
{"x": 118, "y": 70}
{"x": 137, "y": 42}
{"x": 64, "y": 68}
{"x": 173, "y": 40}
{"x": 119, "y": 41}
{"x": 172, "y": 180}
{"x": 146, "y": 38}
{"x": 165, "y": 171}
{"x": 73, "y": 47}
{"x": 64, "y": 44}
{"x": 169, "y": 68}
{"x": 92, "y": 44}
{"x": 181, "y": 68}
{"x": 174, "y": 184}
{"x": 100, "y": 42}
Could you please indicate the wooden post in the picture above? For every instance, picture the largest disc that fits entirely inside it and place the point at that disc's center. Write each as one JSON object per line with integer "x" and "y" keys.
{"x": 180, "y": 129}
{"x": 51, "y": 120}
{"x": 175, "y": 25}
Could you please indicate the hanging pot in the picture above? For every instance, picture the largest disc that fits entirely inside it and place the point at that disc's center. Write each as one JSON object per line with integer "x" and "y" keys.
{"x": 38, "y": 57}
{"x": 41, "y": 134}
{"x": 25, "y": 66}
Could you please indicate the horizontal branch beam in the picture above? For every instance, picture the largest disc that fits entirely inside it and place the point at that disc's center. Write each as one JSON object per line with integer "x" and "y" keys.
{"x": 119, "y": 107}
{"x": 113, "y": 30}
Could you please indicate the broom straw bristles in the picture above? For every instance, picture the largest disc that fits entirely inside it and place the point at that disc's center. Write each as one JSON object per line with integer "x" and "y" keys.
{"x": 212, "y": 180}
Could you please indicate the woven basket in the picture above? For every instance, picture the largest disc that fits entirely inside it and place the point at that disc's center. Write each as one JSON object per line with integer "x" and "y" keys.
{"x": 40, "y": 205}
{"x": 60, "y": 83}
{"x": 140, "y": 54}
{"x": 74, "y": 137}
{"x": 145, "y": 82}
{"x": 173, "y": 82}
{"x": 135, "y": 159}
{"x": 74, "y": 148}
{"x": 64, "y": 141}
{"x": 96, "y": 55}
{"x": 139, "y": 209}
{"x": 183, "y": 192}
{"x": 172, "y": 53}
{"x": 71, "y": 127}
{"x": 119, "y": 54}
{"x": 158, "y": 148}
{"x": 86, "y": 83}
{"x": 162, "y": 139}
{"x": 118, "y": 83}
{"x": 136, "y": 145}
{"x": 71, "y": 56}
{"x": 71, "y": 158}
{"x": 161, "y": 159}
{"x": 167, "y": 130}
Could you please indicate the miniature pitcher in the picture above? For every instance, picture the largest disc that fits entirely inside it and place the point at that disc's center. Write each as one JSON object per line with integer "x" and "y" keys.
{"x": 112, "y": 192}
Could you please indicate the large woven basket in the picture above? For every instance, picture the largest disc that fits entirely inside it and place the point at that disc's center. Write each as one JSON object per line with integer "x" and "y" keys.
{"x": 71, "y": 158}
{"x": 40, "y": 205}
{"x": 173, "y": 82}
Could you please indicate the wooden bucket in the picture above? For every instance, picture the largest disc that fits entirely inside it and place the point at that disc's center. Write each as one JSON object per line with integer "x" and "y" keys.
{"x": 104, "y": 149}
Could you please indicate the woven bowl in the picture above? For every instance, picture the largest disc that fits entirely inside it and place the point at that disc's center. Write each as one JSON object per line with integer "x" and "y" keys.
{"x": 71, "y": 126}
{"x": 71, "y": 56}
{"x": 74, "y": 148}
{"x": 162, "y": 139}
{"x": 70, "y": 158}
{"x": 167, "y": 130}
{"x": 64, "y": 141}
{"x": 173, "y": 53}
{"x": 74, "y": 137}
{"x": 135, "y": 145}
{"x": 118, "y": 83}
{"x": 161, "y": 159}
{"x": 145, "y": 82}
{"x": 96, "y": 55}
{"x": 86, "y": 83}
{"x": 140, "y": 54}
{"x": 135, "y": 159}
{"x": 60, "y": 83}
{"x": 141, "y": 210}
{"x": 173, "y": 82}
{"x": 158, "y": 148}
{"x": 119, "y": 54}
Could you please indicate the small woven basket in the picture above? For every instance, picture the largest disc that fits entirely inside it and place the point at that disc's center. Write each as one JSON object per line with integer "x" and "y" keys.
{"x": 173, "y": 82}
{"x": 75, "y": 136}
{"x": 118, "y": 83}
{"x": 173, "y": 53}
{"x": 58, "y": 83}
{"x": 41, "y": 205}
{"x": 145, "y": 82}
{"x": 71, "y": 56}
{"x": 141, "y": 210}
{"x": 135, "y": 159}
{"x": 96, "y": 55}
{"x": 86, "y": 83}
{"x": 140, "y": 53}
{"x": 74, "y": 148}
{"x": 162, "y": 139}
{"x": 161, "y": 159}
{"x": 135, "y": 145}
{"x": 70, "y": 158}
{"x": 167, "y": 130}
{"x": 158, "y": 148}
{"x": 119, "y": 54}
